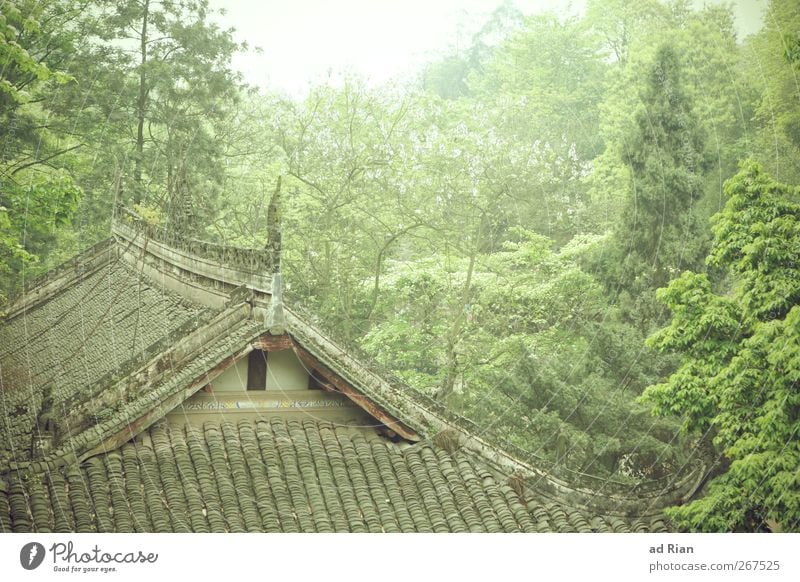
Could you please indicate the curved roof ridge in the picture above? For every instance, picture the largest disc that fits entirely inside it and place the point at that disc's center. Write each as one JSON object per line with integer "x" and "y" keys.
{"x": 246, "y": 258}
{"x": 428, "y": 417}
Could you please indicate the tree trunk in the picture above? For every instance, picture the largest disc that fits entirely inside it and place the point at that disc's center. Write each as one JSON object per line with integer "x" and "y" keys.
{"x": 455, "y": 331}
{"x": 140, "y": 109}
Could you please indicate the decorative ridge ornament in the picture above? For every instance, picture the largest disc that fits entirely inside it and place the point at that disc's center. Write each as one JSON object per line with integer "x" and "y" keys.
{"x": 276, "y": 317}
{"x": 274, "y": 228}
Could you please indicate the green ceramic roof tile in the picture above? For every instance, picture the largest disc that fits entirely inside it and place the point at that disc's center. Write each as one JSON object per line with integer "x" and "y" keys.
{"x": 430, "y": 502}
{"x": 376, "y": 488}
{"x": 154, "y": 498}
{"x": 195, "y": 508}
{"x": 79, "y": 500}
{"x": 62, "y": 515}
{"x": 74, "y": 343}
{"x": 98, "y": 491}
{"x": 282, "y": 475}
{"x": 39, "y": 505}
{"x": 19, "y": 508}
{"x": 395, "y": 497}
{"x": 134, "y": 490}
{"x": 304, "y": 478}
{"x": 287, "y": 518}
{"x": 222, "y": 477}
{"x": 264, "y": 499}
{"x": 363, "y": 504}
{"x": 173, "y": 488}
{"x": 5, "y": 510}
{"x": 411, "y": 493}
{"x": 618, "y": 525}
{"x": 466, "y": 508}
{"x": 241, "y": 478}
{"x": 116, "y": 487}
{"x": 205, "y": 478}
{"x": 341, "y": 480}
{"x": 325, "y": 475}
{"x": 658, "y": 525}
{"x": 300, "y": 508}
{"x": 519, "y": 511}
{"x": 475, "y": 490}
{"x": 444, "y": 497}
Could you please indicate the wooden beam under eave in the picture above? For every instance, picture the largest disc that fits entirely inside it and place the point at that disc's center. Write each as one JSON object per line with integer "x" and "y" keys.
{"x": 272, "y": 343}
{"x": 359, "y": 399}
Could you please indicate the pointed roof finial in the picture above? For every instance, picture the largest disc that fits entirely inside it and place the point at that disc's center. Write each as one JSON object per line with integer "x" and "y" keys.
{"x": 274, "y": 228}
{"x": 276, "y": 318}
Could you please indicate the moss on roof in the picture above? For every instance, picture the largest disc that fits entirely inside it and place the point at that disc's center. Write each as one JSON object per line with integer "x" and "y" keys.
{"x": 282, "y": 475}
{"x": 107, "y": 353}
{"x": 76, "y": 343}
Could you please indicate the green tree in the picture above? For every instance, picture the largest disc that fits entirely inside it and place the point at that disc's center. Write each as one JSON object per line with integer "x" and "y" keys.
{"x": 537, "y": 357}
{"x": 449, "y": 76}
{"x": 37, "y": 191}
{"x": 722, "y": 98}
{"x": 620, "y": 24}
{"x": 174, "y": 103}
{"x": 659, "y": 232}
{"x": 771, "y": 65}
{"x": 741, "y": 359}
{"x": 547, "y": 80}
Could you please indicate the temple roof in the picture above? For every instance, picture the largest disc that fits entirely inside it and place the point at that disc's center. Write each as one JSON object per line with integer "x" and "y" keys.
{"x": 97, "y": 356}
{"x": 286, "y": 476}
{"x": 75, "y": 344}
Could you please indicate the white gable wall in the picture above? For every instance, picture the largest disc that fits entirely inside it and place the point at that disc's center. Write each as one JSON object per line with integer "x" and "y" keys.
{"x": 233, "y": 379}
{"x": 285, "y": 373}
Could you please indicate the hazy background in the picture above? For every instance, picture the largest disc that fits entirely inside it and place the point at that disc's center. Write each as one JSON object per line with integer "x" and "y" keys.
{"x": 304, "y": 41}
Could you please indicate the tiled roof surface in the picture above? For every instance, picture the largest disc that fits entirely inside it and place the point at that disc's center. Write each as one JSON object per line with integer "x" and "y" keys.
{"x": 102, "y": 351}
{"x": 281, "y": 475}
{"x": 77, "y": 341}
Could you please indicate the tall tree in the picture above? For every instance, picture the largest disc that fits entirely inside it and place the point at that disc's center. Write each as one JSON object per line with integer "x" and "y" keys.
{"x": 741, "y": 359}
{"x": 179, "y": 91}
{"x": 659, "y": 234}
{"x": 37, "y": 191}
{"x": 547, "y": 79}
{"x": 450, "y": 76}
{"x": 772, "y": 67}
{"x": 620, "y": 23}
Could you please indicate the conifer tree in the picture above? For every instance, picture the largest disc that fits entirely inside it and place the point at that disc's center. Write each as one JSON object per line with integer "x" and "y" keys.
{"x": 658, "y": 233}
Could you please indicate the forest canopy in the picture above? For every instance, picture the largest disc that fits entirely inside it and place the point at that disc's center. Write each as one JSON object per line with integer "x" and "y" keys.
{"x": 581, "y": 233}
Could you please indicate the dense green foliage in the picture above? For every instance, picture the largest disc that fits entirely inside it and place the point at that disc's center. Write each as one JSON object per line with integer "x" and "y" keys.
{"x": 659, "y": 232}
{"x": 36, "y": 195}
{"x": 494, "y": 231}
{"x": 741, "y": 358}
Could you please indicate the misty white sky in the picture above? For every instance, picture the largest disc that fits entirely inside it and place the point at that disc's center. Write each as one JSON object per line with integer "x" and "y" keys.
{"x": 304, "y": 40}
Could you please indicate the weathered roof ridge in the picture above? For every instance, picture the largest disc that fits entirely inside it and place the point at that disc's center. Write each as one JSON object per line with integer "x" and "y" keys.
{"x": 43, "y": 287}
{"x": 152, "y": 388}
{"x": 429, "y": 417}
{"x": 239, "y": 263}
